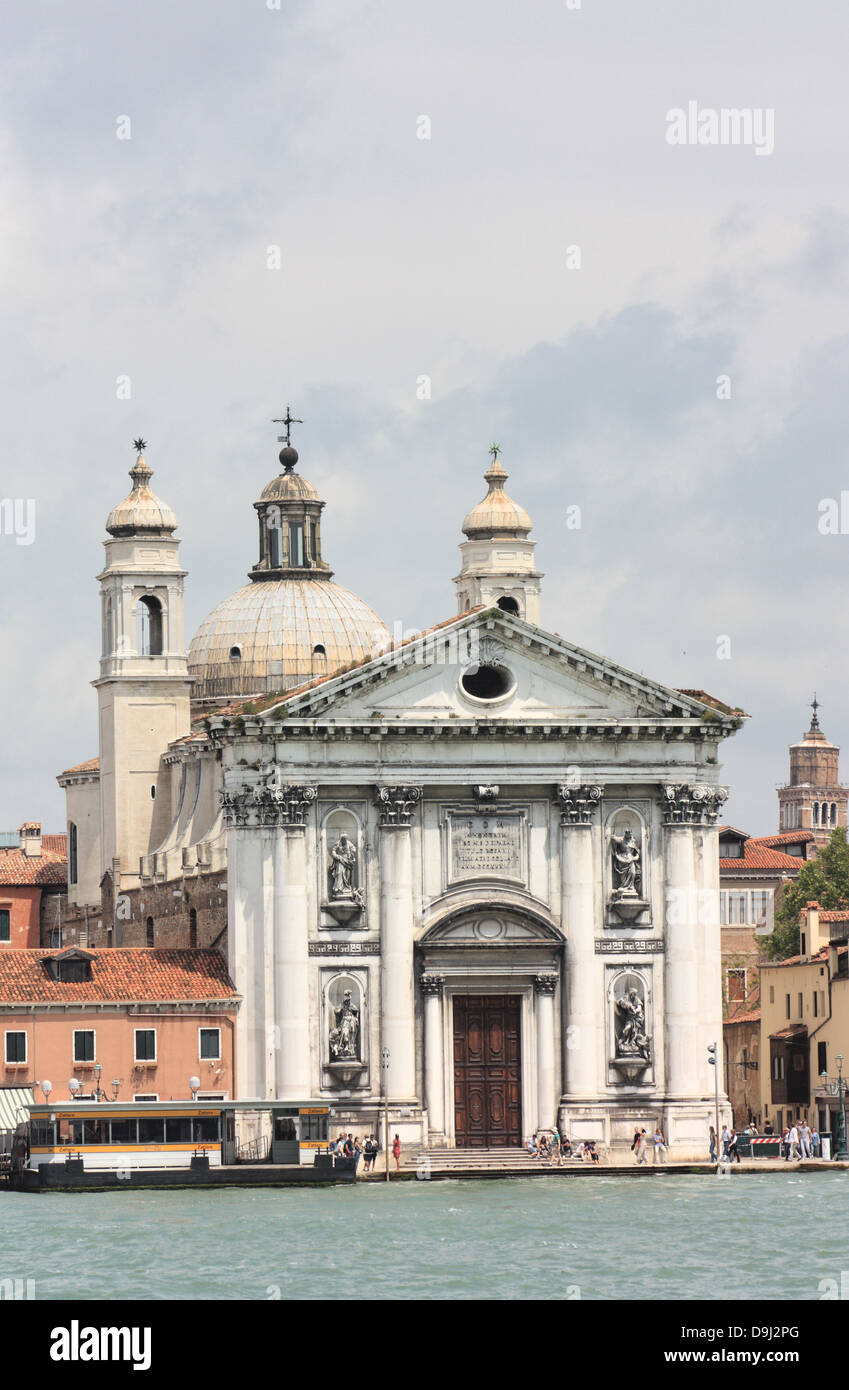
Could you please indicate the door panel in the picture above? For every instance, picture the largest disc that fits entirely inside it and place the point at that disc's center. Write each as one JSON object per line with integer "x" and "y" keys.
{"x": 487, "y": 1070}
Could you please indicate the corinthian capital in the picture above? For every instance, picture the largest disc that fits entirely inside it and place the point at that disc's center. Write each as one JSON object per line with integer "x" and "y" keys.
{"x": 396, "y": 804}
{"x": 577, "y": 803}
{"x": 693, "y": 803}
{"x": 266, "y": 806}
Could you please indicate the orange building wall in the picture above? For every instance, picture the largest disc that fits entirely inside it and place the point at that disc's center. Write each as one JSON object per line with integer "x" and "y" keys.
{"x": 50, "y": 1052}
{"x": 24, "y": 905}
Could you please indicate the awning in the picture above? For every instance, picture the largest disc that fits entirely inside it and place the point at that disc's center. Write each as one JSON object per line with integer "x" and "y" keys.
{"x": 11, "y": 1099}
{"x": 798, "y": 1031}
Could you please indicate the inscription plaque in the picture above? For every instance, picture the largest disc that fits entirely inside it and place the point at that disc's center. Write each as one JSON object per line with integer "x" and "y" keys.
{"x": 487, "y": 846}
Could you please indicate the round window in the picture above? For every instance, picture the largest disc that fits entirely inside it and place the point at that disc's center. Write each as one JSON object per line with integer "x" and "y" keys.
{"x": 487, "y": 682}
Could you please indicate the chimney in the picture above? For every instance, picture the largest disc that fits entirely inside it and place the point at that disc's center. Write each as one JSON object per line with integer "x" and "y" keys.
{"x": 30, "y": 833}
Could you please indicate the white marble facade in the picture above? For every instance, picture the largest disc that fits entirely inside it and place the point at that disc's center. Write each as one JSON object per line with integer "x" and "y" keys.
{"x": 401, "y": 835}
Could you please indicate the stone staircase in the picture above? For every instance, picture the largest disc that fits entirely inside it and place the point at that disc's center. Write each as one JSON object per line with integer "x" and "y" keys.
{"x": 499, "y": 1160}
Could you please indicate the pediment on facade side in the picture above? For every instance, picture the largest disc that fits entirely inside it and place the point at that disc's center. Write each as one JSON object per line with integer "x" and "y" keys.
{"x": 491, "y": 928}
{"x": 544, "y": 679}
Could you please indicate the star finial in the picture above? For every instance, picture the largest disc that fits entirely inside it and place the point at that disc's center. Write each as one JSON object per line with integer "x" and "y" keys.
{"x": 139, "y": 445}
{"x": 288, "y": 420}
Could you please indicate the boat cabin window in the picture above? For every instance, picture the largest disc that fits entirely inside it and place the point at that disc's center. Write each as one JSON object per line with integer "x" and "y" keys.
{"x": 284, "y": 1128}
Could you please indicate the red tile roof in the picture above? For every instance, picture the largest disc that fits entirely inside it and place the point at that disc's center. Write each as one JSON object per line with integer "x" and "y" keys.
{"x": 791, "y": 837}
{"x": 752, "y": 1016}
{"x": 120, "y": 973}
{"x": 36, "y": 871}
{"x": 92, "y": 765}
{"x": 758, "y": 856}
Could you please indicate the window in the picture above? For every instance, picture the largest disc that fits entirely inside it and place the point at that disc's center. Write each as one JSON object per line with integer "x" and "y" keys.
{"x": 16, "y": 1047}
{"x": 737, "y": 907}
{"x": 146, "y": 1097}
{"x": 778, "y": 1068}
{"x": 296, "y": 543}
{"x": 313, "y": 547}
{"x": 816, "y": 1009}
{"x": 787, "y": 1004}
{"x": 210, "y": 1044}
{"x": 736, "y": 985}
{"x": 122, "y": 1132}
{"x": 798, "y": 1061}
{"x": 5, "y": 924}
{"x": 148, "y": 933}
{"x": 822, "y": 1003}
{"x": 834, "y": 812}
{"x": 206, "y": 1129}
{"x": 772, "y": 994}
{"x": 801, "y": 1011}
{"x": 723, "y": 908}
{"x": 508, "y": 604}
{"x": 236, "y": 653}
{"x": 72, "y": 852}
{"x": 822, "y": 1058}
{"x": 145, "y": 1044}
{"x": 149, "y": 626}
{"x": 760, "y": 905}
{"x": 276, "y": 538}
{"x": 803, "y": 943}
{"x": 178, "y": 1130}
{"x": 83, "y": 1044}
{"x": 314, "y": 1127}
{"x": 152, "y": 1129}
{"x": 815, "y": 813}
{"x": 73, "y": 971}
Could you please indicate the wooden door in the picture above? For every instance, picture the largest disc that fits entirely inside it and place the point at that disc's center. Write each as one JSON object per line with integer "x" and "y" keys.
{"x": 487, "y": 1070}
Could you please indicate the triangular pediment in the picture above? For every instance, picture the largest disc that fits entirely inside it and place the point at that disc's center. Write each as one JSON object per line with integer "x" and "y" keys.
{"x": 543, "y": 679}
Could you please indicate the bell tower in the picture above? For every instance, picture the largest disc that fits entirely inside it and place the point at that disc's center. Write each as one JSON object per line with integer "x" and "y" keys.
{"x": 498, "y": 554}
{"x": 813, "y": 799}
{"x": 144, "y": 685}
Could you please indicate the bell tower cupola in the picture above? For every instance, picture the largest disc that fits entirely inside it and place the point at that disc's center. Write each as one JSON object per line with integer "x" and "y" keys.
{"x": 498, "y": 554}
{"x": 289, "y": 513}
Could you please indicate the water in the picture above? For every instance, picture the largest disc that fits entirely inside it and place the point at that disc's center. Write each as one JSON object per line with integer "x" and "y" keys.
{"x": 768, "y": 1236}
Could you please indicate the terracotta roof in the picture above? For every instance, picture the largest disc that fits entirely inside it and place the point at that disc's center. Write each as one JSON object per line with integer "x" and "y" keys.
{"x": 758, "y": 856}
{"x": 835, "y": 915}
{"x": 93, "y": 765}
{"x": 36, "y": 871}
{"x": 752, "y": 1016}
{"x": 794, "y": 1031}
{"x": 791, "y": 837}
{"x": 732, "y": 830}
{"x": 117, "y": 973}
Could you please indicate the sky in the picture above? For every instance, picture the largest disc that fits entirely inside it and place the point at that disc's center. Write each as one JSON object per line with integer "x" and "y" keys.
{"x": 213, "y": 209}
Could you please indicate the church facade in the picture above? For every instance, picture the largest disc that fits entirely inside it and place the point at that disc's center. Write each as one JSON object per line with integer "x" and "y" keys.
{"x": 475, "y": 873}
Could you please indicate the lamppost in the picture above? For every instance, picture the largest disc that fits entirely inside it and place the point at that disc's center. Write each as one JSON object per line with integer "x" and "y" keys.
{"x": 98, "y": 1094}
{"x": 836, "y": 1088}
{"x": 116, "y": 1086}
{"x": 713, "y": 1059}
{"x": 74, "y": 1087}
{"x": 194, "y": 1086}
{"x": 384, "y": 1062}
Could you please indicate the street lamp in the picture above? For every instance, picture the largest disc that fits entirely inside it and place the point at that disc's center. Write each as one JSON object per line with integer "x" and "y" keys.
{"x": 384, "y": 1062}
{"x": 73, "y": 1086}
{"x": 47, "y": 1087}
{"x": 194, "y": 1086}
{"x": 714, "y": 1062}
{"x": 842, "y": 1152}
{"x": 98, "y": 1069}
{"x": 116, "y": 1086}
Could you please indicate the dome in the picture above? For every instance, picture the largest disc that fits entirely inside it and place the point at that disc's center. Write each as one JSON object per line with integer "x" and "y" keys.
{"x": 289, "y": 487}
{"x": 497, "y": 513}
{"x": 280, "y": 634}
{"x": 142, "y": 511}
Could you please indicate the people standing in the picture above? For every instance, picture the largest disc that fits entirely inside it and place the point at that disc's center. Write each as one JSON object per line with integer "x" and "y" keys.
{"x": 396, "y": 1153}
{"x": 805, "y": 1139}
{"x": 642, "y": 1145}
{"x": 815, "y": 1142}
{"x": 659, "y": 1146}
{"x": 555, "y": 1146}
{"x": 712, "y": 1144}
{"x": 725, "y": 1139}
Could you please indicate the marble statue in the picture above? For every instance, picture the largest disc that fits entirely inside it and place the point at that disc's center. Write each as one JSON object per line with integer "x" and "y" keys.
{"x": 345, "y": 1034}
{"x": 626, "y": 864}
{"x": 343, "y": 858}
{"x": 632, "y": 1039}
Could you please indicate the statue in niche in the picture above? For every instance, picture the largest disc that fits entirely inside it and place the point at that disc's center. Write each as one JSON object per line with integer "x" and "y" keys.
{"x": 343, "y": 859}
{"x": 345, "y": 1034}
{"x": 632, "y": 1039}
{"x": 627, "y": 872}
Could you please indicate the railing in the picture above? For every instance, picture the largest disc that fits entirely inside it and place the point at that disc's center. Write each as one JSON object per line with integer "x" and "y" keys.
{"x": 254, "y": 1151}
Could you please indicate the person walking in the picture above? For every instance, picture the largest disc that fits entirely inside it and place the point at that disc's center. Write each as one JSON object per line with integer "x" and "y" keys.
{"x": 555, "y": 1146}
{"x": 725, "y": 1139}
{"x": 712, "y": 1144}
{"x": 805, "y": 1139}
{"x": 659, "y": 1146}
{"x": 635, "y": 1141}
{"x": 396, "y": 1153}
{"x": 731, "y": 1152}
{"x": 793, "y": 1143}
{"x": 642, "y": 1145}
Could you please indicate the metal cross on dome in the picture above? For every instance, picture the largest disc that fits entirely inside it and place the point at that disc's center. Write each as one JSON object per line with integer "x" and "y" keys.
{"x": 815, "y": 705}
{"x": 495, "y": 450}
{"x": 288, "y": 420}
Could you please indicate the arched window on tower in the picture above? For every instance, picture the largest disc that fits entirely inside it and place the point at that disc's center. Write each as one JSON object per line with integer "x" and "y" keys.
{"x": 834, "y": 812}
{"x": 815, "y": 813}
{"x": 319, "y": 660}
{"x": 508, "y": 604}
{"x": 72, "y": 852}
{"x": 275, "y": 536}
{"x": 149, "y": 626}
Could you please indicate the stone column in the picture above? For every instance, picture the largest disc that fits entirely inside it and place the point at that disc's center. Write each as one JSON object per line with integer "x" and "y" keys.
{"x": 291, "y": 966}
{"x": 584, "y": 997}
{"x": 687, "y": 970}
{"x": 547, "y": 1092}
{"x": 244, "y": 937}
{"x": 434, "y": 1061}
{"x": 397, "y": 923}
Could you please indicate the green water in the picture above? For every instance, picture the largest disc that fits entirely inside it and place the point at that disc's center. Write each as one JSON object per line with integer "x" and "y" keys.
{"x": 669, "y": 1236}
